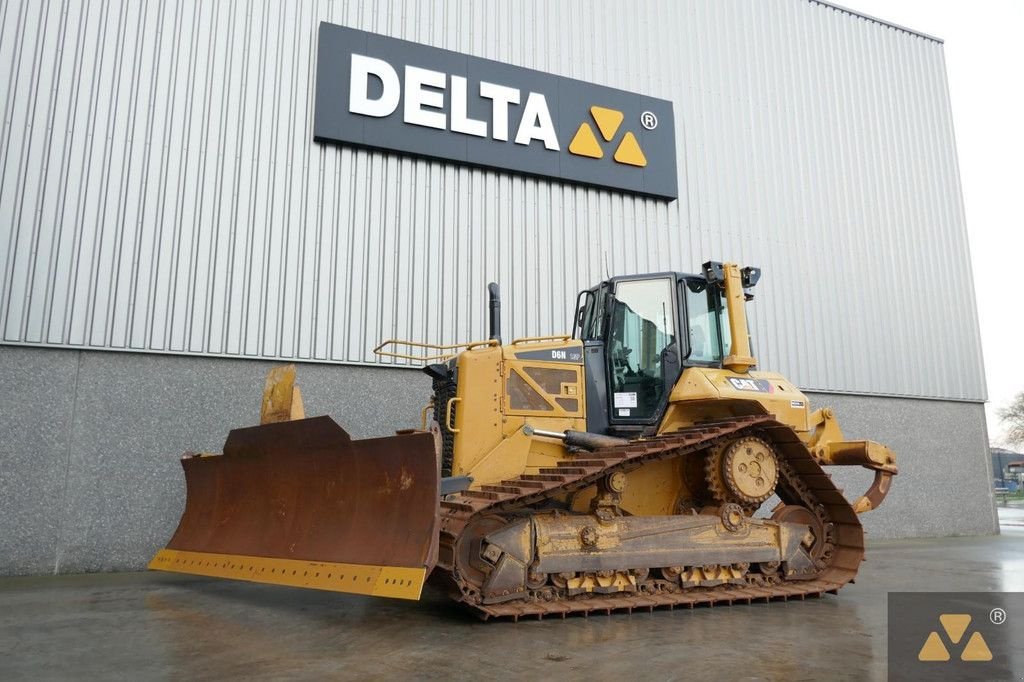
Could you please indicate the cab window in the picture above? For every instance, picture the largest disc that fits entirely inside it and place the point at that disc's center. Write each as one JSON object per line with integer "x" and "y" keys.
{"x": 641, "y": 329}
{"x": 590, "y": 315}
{"x": 706, "y": 324}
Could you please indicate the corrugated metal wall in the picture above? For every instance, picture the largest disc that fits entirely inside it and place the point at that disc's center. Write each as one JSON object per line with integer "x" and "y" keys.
{"x": 160, "y": 189}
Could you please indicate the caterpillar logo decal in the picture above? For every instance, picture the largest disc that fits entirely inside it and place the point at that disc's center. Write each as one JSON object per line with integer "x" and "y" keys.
{"x": 955, "y": 625}
{"x": 758, "y": 385}
{"x": 378, "y": 92}
{"x": 608, "y": 121}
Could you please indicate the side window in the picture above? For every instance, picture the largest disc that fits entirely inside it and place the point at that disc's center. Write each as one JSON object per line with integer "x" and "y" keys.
{"x": 726, "y": 330}
{"x": 703, "y": 324}
{"x": 594, "y": 316}
{"x": 584, "y": 311}
{"x": 642, "y": 327}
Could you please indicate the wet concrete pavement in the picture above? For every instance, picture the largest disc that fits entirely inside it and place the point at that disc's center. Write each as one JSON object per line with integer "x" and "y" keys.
{"x": 1011, "y": 516}
{"x": 164, "y": 626}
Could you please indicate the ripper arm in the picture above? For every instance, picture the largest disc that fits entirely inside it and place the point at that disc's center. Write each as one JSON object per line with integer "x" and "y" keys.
{"x": 830, "y": 448}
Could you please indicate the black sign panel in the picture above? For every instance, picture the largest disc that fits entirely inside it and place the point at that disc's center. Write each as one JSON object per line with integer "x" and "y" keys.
{"x": 375, "y": 91}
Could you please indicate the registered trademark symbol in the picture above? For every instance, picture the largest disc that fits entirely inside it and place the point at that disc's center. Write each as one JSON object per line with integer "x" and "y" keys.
{"x": 649, "y": 120}
{"x": 997, "y": 616}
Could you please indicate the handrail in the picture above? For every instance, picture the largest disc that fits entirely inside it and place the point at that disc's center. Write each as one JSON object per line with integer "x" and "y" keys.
{"x": 423, "y": 413}
{"x": 433, "y": 346}
{"x": 534, "y": 339}
{"x": 449, "y": 415}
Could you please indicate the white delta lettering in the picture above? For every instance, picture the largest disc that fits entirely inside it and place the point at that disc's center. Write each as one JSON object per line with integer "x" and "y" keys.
{"x": 424, "y": 91}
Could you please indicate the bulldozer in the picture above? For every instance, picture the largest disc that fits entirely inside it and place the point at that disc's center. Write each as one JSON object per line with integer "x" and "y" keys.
{"x": 639, "y": 462}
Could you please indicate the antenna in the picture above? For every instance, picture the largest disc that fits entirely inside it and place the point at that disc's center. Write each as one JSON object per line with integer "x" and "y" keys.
{"x": 607, "y": 274}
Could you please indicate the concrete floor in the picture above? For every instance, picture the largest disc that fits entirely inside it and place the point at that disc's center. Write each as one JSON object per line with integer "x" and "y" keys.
{"x": 154, "y": 625}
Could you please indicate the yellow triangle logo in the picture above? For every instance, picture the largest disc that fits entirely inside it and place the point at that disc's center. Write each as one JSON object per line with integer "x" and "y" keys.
{"x": 584, "y": 143}
{"x": 629, "y": 151}
{"x": 933, "y": 649}
{"x": 955, "y": 625}
{"x": 976, "y": 649}
{"x": 608, "y": 121}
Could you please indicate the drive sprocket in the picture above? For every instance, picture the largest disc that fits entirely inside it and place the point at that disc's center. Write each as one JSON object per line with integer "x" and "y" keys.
{"x": 744, "y": 471}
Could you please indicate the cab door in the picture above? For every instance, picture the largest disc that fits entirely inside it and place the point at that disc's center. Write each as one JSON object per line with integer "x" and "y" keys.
{"x": 642, "y": 349}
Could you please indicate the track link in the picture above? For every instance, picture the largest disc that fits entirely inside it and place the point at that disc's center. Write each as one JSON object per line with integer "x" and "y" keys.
{"x": 802, "y": 481}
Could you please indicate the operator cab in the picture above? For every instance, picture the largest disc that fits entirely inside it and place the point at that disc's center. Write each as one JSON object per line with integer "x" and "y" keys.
{"x": 639, "y": 332}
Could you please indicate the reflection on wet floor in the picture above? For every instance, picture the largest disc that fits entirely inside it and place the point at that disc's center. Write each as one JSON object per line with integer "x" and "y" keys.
{"x": 1011, "y": 515}
{"x": 1011, "y": 525}
{"x": 145, "y": 625}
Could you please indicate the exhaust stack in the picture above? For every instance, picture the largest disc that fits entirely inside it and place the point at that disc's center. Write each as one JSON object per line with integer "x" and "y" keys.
{"x": 494, "y": 305}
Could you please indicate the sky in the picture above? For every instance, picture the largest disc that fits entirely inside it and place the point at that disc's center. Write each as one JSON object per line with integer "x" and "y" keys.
{"x": 984, "y": 48}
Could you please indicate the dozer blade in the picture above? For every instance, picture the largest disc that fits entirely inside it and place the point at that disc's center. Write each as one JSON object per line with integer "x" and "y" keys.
{"x": 300, "y": 503}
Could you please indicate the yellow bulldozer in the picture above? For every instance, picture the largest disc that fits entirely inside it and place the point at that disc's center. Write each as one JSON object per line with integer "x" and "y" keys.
{"x": 624, "y": 466}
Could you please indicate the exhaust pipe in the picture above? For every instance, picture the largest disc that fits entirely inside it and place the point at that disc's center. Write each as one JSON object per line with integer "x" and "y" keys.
{"x": 494, "y": 304}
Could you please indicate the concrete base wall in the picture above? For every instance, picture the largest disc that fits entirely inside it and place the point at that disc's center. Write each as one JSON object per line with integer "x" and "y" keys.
{"x": 945, "y": 482}
{"x": 90, "y": 479}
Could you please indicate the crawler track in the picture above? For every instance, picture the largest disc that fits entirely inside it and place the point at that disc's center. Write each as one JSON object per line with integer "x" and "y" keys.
{"x": 801, "y": 482}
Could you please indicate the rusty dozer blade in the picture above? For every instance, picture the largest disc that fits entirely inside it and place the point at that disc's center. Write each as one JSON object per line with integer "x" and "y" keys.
{"x": 300, "y": 503}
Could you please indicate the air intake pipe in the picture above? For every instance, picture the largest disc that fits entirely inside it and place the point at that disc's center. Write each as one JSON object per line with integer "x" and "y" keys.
{"x": 494, "y": 306}
{"x": 733, "y": 283}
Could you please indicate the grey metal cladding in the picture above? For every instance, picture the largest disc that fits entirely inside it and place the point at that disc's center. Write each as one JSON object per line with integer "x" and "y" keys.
{"x": 568, "y": 101}
{"x": 160, "y": 190}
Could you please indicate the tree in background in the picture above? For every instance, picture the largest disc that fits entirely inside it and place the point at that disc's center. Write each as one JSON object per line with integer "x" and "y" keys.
{"x": 1013, "y": 416}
